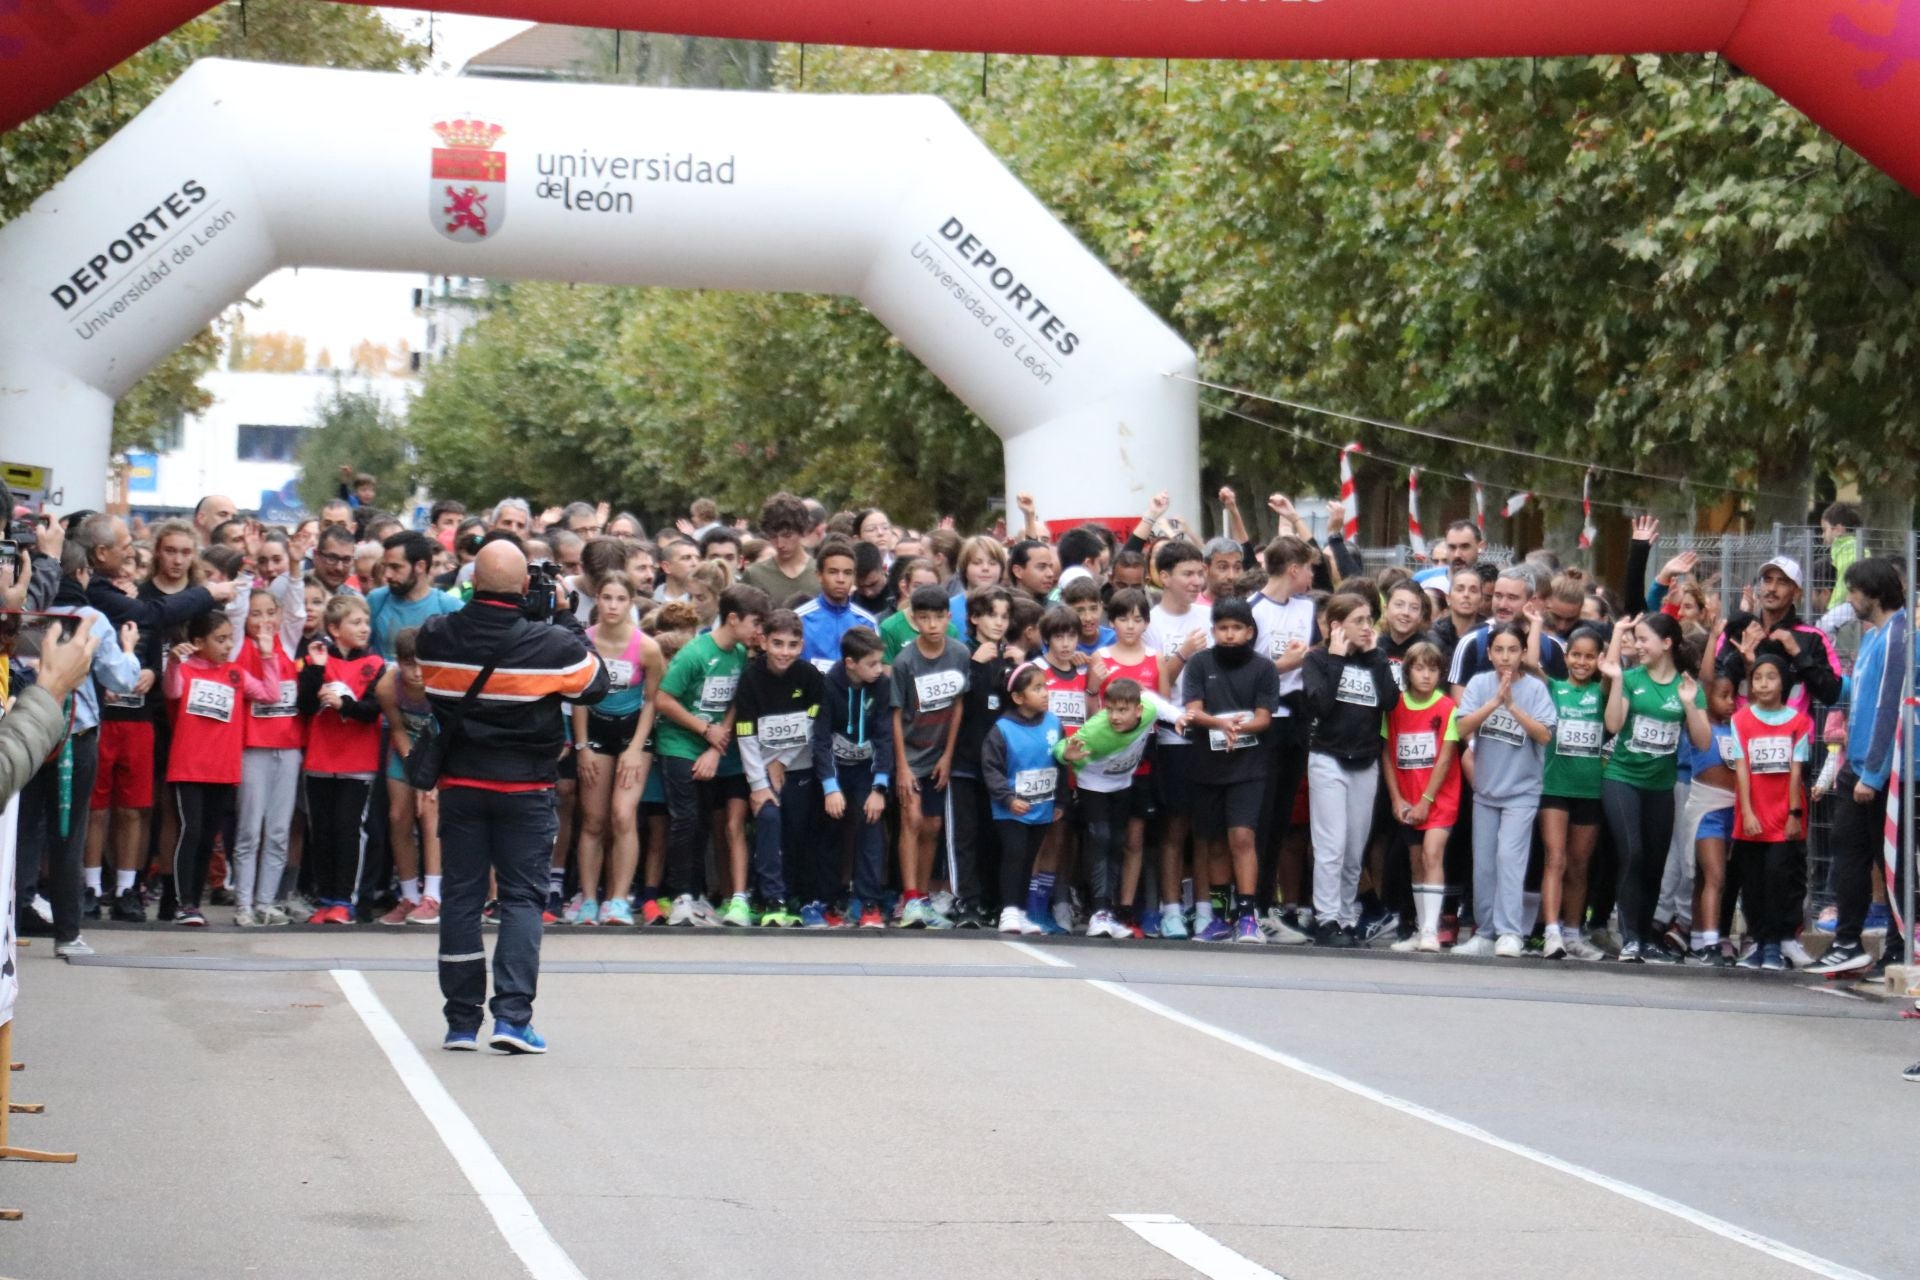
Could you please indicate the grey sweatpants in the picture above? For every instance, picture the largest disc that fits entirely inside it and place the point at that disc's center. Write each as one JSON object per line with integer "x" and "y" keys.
{"x": 1502, "y": 843}
{"x": 1676, "y": 882}
{"x": 1340, "y": 814}
{"x": 269, "y": 784}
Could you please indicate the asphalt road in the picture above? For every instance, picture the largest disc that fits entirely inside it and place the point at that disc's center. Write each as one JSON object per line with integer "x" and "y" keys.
{"x": 799, "y": 1105}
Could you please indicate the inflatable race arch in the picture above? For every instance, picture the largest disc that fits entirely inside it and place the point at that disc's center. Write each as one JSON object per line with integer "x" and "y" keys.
{"x": 1852, "y": 65}
{"x": 243, "y": 168}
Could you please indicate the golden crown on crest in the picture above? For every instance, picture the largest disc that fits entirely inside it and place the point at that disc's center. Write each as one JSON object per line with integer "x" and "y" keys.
{"x": 477, "y": 134}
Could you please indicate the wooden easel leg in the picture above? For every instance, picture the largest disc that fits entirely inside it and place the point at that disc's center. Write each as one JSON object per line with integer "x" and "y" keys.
{"x": 6, "y": 1108}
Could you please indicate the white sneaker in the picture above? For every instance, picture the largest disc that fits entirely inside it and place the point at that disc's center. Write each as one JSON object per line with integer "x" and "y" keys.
{"x": 1510, "y": 947}
{"x": 682, "y": 910}
{"x": 1556, "y": 946}
{"x": 1580, "y": 949}
{"x": 703, "y": 917}
{"x": 1795, "y": 953}
{"x": 942, "y": 903}
{"x": 1406, "y": 944}
{"x": 67, "y": 950}
{"x": 1430, "y": 942}
{"x": 1274, "y": 925}
{"x": 247, "y": 918}
{"x": 272, "y": 915}
{"x": 1063, "y": 916}
{"x": 1478, "y": 945}
{"x": 1014, "y": 920}
{"x": 1097, "y": 926}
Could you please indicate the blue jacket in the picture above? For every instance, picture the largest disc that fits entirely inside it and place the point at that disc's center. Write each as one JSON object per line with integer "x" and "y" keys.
{"x": 857, "y": 722}
{"x": 822, "y": 623}
{"x": 1873, "y": 700}
{"x": 1017, "y": 760}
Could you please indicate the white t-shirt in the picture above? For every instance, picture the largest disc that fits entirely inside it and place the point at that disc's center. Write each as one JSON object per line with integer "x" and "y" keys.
{"x": 1166, "y": 632}
{"x": 1276, "y": 625}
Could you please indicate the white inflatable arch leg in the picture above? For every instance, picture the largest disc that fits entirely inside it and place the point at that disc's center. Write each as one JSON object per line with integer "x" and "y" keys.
{"x": 239, "y": 169}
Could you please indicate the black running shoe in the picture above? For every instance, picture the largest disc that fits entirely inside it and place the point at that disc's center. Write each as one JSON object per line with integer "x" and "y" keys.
{"x": 1328, "y": 933}
{"x": 1912, "y": 1073}
{"x": 129, "y": 909}
{"x": 90, "y": 903}
{"x": 1842, "y": 957}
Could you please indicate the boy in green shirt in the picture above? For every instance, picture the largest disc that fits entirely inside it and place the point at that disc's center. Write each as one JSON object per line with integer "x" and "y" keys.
{"x": 693, "y": 741}
{"x": 1103, "y": 756}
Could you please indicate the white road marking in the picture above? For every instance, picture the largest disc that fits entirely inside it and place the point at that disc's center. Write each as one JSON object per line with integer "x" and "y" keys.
{"x": 1639, "y": 1195}
{"x": 1193, "y": 1246}
{"x": 1038, "y": 953}
{"x": 525, "y": 1234}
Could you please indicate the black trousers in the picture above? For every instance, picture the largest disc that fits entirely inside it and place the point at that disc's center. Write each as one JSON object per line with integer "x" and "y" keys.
{"x": 1106, "y": 814}
{"x": 1019, "y": 844}
{"x": 1858, "y": 841}
{"x": 1288, "y": 768}
{"x": 687, "y": 827}
{"x": 967, "y": 803}
{"x": 1642, "y": 826}
{"x": 336, "y": 807}
{"x": 41, "y": 813}
{"x": 1775, "y": 885}
{"x": 510, "y": 834}
{"x": 204, "y": 809}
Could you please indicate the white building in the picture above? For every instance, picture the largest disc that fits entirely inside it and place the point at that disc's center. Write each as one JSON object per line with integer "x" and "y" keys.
{"x": 246, "y": 443}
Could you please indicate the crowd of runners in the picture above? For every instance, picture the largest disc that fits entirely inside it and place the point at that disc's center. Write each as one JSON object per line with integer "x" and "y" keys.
{"x": 822, "y": 720}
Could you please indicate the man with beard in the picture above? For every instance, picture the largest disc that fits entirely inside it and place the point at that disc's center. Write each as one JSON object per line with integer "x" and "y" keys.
{"x": 409, "y": 598}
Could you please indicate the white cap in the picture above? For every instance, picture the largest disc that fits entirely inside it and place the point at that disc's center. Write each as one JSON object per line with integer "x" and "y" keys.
{"x": 1789, "y": 567}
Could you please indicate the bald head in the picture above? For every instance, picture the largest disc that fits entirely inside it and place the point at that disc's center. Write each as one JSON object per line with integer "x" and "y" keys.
{"x": 501, "y": 567}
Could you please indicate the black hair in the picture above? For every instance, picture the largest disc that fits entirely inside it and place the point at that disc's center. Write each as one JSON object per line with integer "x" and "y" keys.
{"x": 1024, "y": 676}
{"x": 743, "y": 601}
{"x": 1059, "y": 621}
{"x": 1233, "y": 611}
{"x": 416, "y": 547}
{"x": 835, "y": 547}
{"x": 866, "y": 558}
{"x": 1084, "y": 588}
{"x": 1172, "y": 555}
{"x": 714, "y": 537}
{"x": 1587, "y": 631}
{"x": 1514, "y": 629}
{"x": 1129, "y": 600}
{"x": 858, "y": 642}
{"x": 202, "y": 625}
{"x": 1878, "y": 580}
{"x": 980, "y": 603}
{"x": 783, "y": 622}
{"x": 927, "y": 600}
{"x": 1079, "y": 545}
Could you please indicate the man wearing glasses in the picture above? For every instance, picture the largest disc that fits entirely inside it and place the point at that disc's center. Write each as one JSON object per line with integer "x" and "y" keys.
{"x": 333, "y": 560}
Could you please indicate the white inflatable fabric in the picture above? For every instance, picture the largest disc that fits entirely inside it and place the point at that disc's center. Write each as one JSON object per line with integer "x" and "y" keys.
{"x": 242, "y": 168}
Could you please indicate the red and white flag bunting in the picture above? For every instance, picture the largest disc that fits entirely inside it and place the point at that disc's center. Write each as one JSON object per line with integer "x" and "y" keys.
{"x": 1349, "y": 501}
{"x": 1891, "y": 829}
{"x": 1517, "y": 503}
{"x": 1415, "y": 538}
{"x": 1587, "y": 530}
{"x": 1479, "y": 504}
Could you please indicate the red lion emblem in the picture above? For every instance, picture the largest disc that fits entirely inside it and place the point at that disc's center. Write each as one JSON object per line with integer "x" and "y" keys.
{"x": 466, "y": 210}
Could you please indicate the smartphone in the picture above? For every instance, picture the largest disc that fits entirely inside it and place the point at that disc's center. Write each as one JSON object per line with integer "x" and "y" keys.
{"x": 33, "y": 623}
{"x": 10, "y": 558}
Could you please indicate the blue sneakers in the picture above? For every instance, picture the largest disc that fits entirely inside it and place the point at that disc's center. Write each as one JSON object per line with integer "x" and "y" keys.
{"x": 813, "y": 916}
{"x": 511, "y": 1039}
{"x": 1879, "y": 919}
{"x": 461, "y": 1040}
{"x": 1047, "y": 924}
{"x": 1213, "y": 929}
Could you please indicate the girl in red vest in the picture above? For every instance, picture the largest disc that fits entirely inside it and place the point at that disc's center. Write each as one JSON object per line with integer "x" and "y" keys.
{"x": 343, "y": 752}
{"x": 205, "y": 691}
{"x": 269, "y": 772}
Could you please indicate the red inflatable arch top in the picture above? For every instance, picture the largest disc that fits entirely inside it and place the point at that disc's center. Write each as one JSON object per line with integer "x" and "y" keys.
{"x": 1852, "y": 65}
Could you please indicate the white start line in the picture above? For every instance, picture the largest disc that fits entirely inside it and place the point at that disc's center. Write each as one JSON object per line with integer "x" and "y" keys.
{"x": 1193, "y": 1246}
{"x": 519, "y": 1225}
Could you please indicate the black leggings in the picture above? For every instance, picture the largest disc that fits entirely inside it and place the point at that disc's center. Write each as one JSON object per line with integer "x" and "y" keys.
{"x": 204, "y": 808}
{"x": 1107, "y": 814}
{"x": 1019, "y": 844}
{"x": 336, "y": 807}
{"x": 1642, "y": 826}
{"x": 1775, "y": 885}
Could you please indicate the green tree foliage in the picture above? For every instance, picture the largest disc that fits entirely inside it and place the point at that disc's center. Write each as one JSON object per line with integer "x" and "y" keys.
{"x": 41, "y": 151}
{"x": 1647, "y": 262}
{"x": 355, "y": 429}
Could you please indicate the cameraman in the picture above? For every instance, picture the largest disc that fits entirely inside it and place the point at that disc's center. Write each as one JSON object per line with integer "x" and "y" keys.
{"x": 497, "y": 783}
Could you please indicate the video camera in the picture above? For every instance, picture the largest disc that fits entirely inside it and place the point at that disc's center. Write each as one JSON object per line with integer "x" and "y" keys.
{"x": 545, "y": 591}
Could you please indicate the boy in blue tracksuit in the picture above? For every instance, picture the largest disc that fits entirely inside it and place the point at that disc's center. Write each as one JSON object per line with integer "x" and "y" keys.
{"x": 832, "y": 613}
{"x": 856, "y": 718}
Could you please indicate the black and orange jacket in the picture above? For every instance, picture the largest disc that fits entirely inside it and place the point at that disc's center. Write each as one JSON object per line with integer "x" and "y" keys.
{"x": 515, "y": 731}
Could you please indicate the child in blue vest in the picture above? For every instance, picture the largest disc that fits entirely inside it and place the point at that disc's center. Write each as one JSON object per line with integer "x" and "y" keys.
{"x": 1022, "y": 780}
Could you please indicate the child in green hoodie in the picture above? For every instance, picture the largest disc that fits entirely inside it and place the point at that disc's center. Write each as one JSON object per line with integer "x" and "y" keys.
{"x": 1103, "y": 756}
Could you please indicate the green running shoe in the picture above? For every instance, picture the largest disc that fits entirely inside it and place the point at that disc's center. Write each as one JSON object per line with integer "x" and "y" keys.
{"x": 737, "y": 913}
